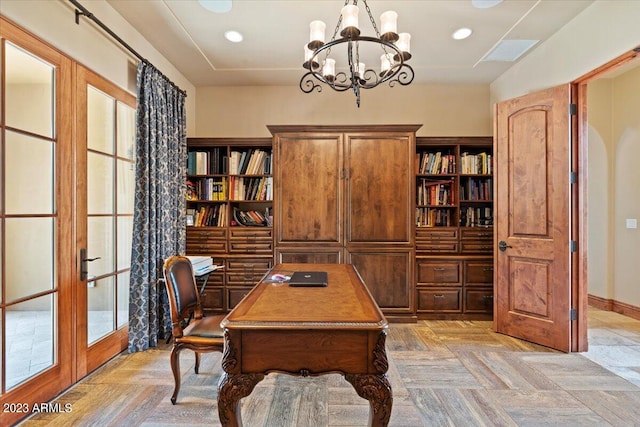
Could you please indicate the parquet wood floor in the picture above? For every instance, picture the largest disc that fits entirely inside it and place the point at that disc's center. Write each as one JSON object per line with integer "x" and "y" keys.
{"x": 443, "y": 373}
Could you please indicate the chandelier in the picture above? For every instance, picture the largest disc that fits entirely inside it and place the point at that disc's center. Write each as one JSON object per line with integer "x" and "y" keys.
{"x": 392, "y": 49}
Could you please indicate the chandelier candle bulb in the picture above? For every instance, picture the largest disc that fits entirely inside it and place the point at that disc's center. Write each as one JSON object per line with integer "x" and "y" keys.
{"x": 385, "y": 63}
{"x": 329, "y": 69}
{"x": 350, "y": 21}
{"x": 316, "y": 36}
{"x": 404, "y": 44}
{"x": 308, "y": 55}
{"x": 389, "y": 26}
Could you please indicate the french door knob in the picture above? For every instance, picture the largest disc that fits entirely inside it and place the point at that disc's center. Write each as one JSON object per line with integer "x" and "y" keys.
{"x": 502, "y": 245}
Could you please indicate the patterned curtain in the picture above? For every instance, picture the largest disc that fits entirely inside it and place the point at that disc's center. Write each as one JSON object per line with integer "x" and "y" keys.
{"x": 159, "y": 215}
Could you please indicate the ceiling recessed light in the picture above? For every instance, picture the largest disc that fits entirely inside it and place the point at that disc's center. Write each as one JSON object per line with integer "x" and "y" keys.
{"x": 461, "y": 33}
{"x": 216, "y": 6}
{"x": 233, "y": 36}
{"x": 485, "y": 4}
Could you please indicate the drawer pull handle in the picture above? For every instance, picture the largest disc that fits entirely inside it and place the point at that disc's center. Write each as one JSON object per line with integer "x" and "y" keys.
{"x": 488, "y": 297}
{"x": 438, "y": 296}
{"x": 438, "y": 268}
{"x": 487, "y": 269}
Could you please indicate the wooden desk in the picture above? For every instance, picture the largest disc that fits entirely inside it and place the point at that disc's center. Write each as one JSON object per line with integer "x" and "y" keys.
{"x": 303, "y": 332}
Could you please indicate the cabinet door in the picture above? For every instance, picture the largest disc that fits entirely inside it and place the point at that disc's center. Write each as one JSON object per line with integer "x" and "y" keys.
{"x": 380, "y": 187}
{"x": 308, "y": 189}
{"x": 388, "y": 276}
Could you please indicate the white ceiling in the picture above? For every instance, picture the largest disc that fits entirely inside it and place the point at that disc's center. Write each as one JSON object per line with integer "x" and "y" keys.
{"x": 191, "y": 37}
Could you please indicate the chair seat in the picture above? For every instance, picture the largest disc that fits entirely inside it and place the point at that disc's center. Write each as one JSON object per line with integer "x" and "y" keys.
{"x": 207, "y": 327}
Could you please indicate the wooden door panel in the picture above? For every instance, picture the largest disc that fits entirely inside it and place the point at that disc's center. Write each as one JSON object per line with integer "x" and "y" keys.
{"x": 533, "y": 285}
{"x": 308, "y": 189}
{"x": 380, "y": 188}
{"x": 388, "y": 276}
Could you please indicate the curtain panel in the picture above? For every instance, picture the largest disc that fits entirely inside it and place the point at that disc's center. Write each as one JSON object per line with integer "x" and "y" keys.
{"x": 160, "y": 197}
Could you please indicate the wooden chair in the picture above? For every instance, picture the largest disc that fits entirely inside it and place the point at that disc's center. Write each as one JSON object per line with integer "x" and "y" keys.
{"x": 202, "y": 334}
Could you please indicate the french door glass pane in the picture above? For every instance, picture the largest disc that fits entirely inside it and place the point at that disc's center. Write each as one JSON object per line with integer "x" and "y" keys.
{"x": 123, "y": 298}
{"x": 29, "y": 169}
{"x": 100, "y": 308}
{"x": 125, "y": 225}
{"x": 100, "y": 121}
{"x": 99, "y": 184}
{"x": 30, "y": 339}
{"x": 126, "y": 131}
{"x": 29, "y": 256}
{"x": 126, "y": 186}
{"x": 29, "y": 92}
{"x": 100, "y": 243}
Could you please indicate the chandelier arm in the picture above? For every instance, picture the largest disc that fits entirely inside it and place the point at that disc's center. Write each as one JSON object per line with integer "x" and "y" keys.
{"x": 307, "y": 84}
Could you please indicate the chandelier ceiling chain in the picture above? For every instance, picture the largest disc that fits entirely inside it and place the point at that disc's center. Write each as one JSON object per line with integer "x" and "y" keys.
{"x": 393, "y": 61}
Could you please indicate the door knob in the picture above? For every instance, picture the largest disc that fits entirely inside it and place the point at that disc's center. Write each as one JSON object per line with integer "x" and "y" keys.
{"x": 502, "y": 245}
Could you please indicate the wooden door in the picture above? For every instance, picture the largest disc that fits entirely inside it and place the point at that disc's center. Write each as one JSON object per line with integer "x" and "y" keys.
{"x": 308, "y": 186}
{"x": 380, "y": 182}
{"x": 532, "y": 218}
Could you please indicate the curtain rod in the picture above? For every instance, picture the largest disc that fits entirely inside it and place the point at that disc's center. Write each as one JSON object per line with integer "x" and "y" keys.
{"x": 82, "y": 11}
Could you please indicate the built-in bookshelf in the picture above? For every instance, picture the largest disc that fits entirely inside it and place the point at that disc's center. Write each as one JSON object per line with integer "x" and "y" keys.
{"x": 229, "y": 186}
{"x": 229, "y": 213}
{"x": 454, "y": 227}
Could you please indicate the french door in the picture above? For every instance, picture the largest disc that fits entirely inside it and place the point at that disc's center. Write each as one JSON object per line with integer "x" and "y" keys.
{"x": 36, "y": 223}
{"x": 105, "y": 185}
{"x": 66, "y": 196}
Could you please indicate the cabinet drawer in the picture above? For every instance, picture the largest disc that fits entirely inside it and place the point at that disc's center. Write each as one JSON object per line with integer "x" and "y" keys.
{"x": 440, "y": 300}
{"x": 477, "y": 233}
{"x": 478, "y": 273}
{"x": 436, "y": 233}
{"x": 439, "y": 273}
{"x": 478, "y": 301}
{"x": 245, "y": 264}
{"x": 235, "y": 295}
{"x": 477, "y": 246}
{"x": 433, "y": 246}
{"x": 250, "y": 247}
{"x": 258, "y": 233}
{"x": 213, "y": 298}
{"x": 203, "y": 240}
{"x": 200, "y": 247}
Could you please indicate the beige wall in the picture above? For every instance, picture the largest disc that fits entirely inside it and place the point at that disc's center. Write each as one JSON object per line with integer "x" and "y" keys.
{"x": 443, "y": 110}
{"x": 614, "y": 179}
{"x": 54, "y": 22}
{"x": 603, "y": 31}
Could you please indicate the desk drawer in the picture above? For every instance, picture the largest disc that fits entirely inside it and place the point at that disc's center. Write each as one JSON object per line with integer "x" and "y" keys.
{"x": 440, "y": 300}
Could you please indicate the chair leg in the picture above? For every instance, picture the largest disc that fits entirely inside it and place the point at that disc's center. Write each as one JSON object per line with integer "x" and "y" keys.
{"x": 175, "y": 368}
{"x": 197, "y": 367}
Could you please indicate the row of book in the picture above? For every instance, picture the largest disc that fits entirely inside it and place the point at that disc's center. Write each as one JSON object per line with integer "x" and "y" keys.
{"x": 208, "y": 216}
{"x": 210, "y": 162}
{"x": 436, "y": 163}
{"x": 477, "y": 189}
{"x": 430, "y": 217}
{"x": 250, "y": 162}
{"x": 252, "y": 218}
{"x": 476, "y": 163}
{"x": 435, "y": 192}
{"x": 476, "y": 217}
{"x": 243, "y": 188}
{"x": 207, "y": 189}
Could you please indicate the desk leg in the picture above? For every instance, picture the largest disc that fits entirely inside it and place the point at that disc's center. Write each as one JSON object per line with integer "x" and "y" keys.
{"x": 232, "y": 388}
{"x": 377, "y": 390}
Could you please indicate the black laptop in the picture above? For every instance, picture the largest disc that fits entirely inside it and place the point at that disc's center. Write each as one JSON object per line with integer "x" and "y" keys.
{"x": 308, "y": 279}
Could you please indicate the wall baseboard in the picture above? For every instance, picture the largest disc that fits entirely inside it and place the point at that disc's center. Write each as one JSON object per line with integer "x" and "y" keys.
{"x": 616, "y": 306}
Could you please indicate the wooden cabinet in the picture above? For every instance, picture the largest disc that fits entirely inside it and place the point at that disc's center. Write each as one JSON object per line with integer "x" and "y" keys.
{"x": 454, "y": 228}
{"x": 229, "y": 206}
{"x": 345, "y": 194}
